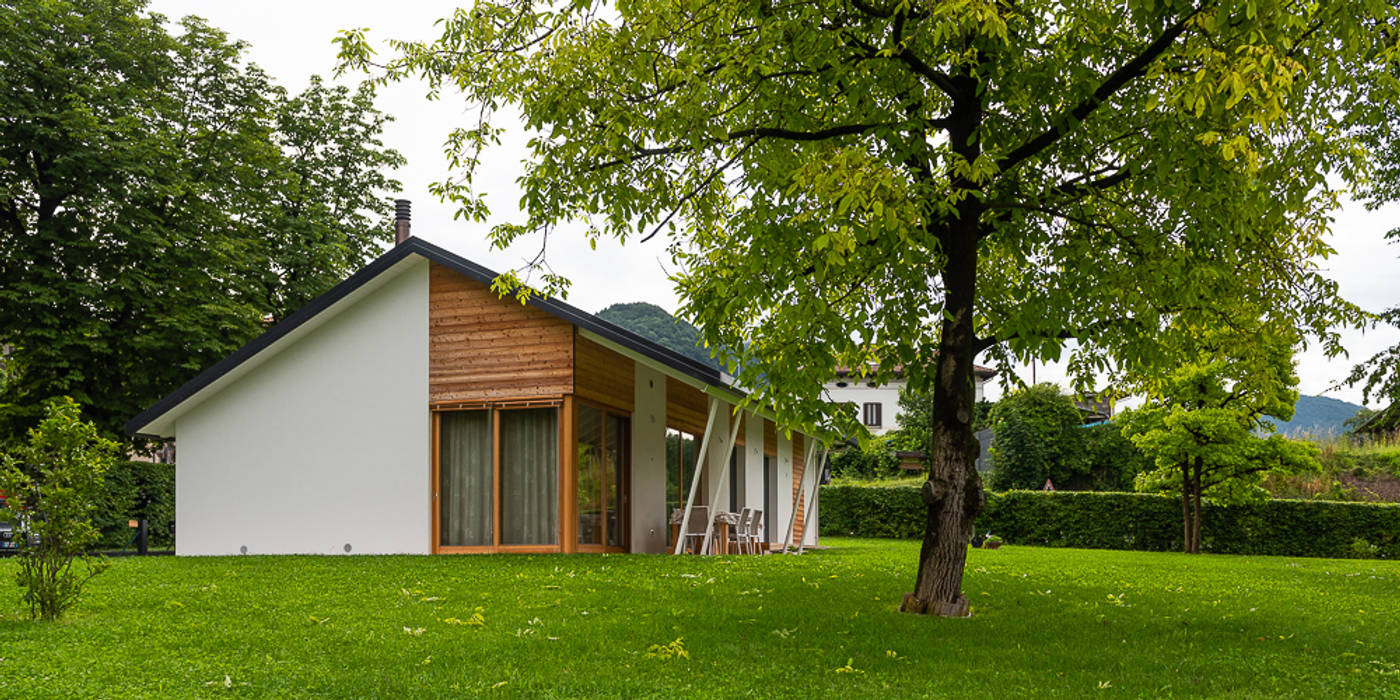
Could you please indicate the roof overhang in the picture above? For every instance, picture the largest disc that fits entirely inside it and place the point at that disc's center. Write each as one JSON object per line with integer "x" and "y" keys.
{"x": 158, "y": 421}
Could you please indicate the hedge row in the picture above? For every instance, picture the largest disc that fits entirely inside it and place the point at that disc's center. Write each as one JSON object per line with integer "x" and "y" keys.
{"x": 1130, "y": 521}
{"x": 136, "y": 490}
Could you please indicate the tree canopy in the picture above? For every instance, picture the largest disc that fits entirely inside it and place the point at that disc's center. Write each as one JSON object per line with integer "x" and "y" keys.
{"x": 906, "y": 184}
{"x": 1206, "y": 434}
{"x": 161, "y": 202}
{"x": 1036, "y": 436}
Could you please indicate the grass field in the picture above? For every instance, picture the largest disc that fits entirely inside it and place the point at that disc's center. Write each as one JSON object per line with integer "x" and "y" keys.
{"x": 1046, "y": 622}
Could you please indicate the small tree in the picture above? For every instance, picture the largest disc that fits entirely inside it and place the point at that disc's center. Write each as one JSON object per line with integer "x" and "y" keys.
{"x": 1205, "y": 433}
{"x": 51, "y": 484}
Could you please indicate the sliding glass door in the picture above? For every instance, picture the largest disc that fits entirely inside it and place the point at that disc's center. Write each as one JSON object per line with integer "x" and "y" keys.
{"x": 498, "y": 478}
{"x": 601, "y": 478}
{"x": 466, "y": 511}
{"x": 529, "y": 477}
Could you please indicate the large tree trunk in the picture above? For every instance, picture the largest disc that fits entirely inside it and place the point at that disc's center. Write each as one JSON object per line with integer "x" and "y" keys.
{"x": 1191, "y": 506}
{"x": 953, "y": 491}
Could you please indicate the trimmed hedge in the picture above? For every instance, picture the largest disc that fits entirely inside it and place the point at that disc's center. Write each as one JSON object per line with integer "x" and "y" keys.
{"x": 1138, "y": 521}
{"x": 136, "y": 490}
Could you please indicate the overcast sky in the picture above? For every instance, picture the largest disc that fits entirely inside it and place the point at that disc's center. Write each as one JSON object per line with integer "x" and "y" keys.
{"x": 291, "y": 40}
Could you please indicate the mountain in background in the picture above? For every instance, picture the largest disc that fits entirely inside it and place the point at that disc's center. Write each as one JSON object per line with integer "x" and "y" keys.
{"x": 1318, "y": 416}
{"x": 653, "y": 323}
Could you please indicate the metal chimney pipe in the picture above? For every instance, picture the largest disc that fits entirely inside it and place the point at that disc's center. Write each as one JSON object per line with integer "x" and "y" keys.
{"x": 402, "y": 209}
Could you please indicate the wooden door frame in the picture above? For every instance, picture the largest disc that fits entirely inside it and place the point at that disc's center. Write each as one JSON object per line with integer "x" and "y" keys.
{"x": 625, "y": 470}
{"x": 563, "y": 428}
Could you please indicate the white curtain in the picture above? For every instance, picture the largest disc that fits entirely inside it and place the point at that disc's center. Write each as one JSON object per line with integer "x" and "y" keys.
{"x": 530, "y": 476}
{"x": 465, "y": 491}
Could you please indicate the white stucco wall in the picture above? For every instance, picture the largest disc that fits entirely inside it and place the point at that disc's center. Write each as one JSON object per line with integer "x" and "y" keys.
{"x": 753, "y": 462}
{"x": 716, "y": 476}
{"x": 649, "y": 519}
{"x": 784, "y": 494}
{"x": 324, "y": 443}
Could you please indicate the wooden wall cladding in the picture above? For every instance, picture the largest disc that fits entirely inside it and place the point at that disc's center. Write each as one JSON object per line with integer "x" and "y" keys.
{"x": 603, "y": 375}
{"x": 482, "y": 347}
{"x": 687, "y": 408}
{"x": 799, "y": 456}
{"x": 770, "y": 438}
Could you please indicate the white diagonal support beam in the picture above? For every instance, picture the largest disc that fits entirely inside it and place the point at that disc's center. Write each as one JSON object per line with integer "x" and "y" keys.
{"x": 695, "y": 480}
{"x": 714, "y": 498}
{"x": 810, "y": 504}
{"x": 801, "y": 491}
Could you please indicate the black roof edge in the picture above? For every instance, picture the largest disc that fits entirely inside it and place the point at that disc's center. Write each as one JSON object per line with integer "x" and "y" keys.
{"x": 448, "y": 259}
{"x": 268, "y": 337}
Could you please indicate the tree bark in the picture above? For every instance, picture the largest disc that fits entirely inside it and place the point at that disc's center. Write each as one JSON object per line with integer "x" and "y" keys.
{"x": 953, "y": 492}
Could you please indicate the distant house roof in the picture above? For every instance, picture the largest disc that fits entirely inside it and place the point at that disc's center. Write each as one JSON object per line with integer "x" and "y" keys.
{"x": 1385, "y": 421}
{"x": 420, "y": 247}
{"x": 978, "y": 370}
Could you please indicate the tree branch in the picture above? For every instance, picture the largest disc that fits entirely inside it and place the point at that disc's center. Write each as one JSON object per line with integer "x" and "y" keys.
{"x": 760, "y": 132}
{"x": 1111, "y": 85}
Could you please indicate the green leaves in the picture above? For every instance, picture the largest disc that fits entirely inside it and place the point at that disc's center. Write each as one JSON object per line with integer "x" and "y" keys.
{"x": 161, "y": 202}
{"x": 52, "y": 485}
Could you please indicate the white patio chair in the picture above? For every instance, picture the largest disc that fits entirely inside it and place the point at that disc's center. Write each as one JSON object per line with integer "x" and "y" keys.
{"x": 756, "y": 539}
{"x": 740, "y": 534}
{"x": 696, "y": 529}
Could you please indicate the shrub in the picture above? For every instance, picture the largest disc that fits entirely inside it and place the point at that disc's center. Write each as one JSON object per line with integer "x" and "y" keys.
{"x": 1136, "y": 521}
{"x": 1112, "y": 460}
{"x": 877, "y": 461}
{"x": 53, "y": 484}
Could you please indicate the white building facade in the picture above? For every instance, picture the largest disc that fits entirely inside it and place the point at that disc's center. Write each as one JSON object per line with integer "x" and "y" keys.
{"x": 877, "y": 405}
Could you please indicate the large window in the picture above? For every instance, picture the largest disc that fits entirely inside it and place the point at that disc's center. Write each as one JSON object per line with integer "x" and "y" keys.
{"x": 498, "y": 478}
{"x": 736, "y": 483}
{"x": 529, "y": 477}
{"x": 680, "y": 467}
{"x": 601, "y": 479}
{"x": 466, "y": 479}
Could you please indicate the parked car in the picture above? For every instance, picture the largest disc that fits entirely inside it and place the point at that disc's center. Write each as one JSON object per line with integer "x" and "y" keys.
{"x": 9, "y": 539}
{"x": 9, "y": 543}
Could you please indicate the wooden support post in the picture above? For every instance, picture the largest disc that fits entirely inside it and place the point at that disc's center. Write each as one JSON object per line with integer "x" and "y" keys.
{"x": 695, "y": 480}
{"x": 709, "y": 532}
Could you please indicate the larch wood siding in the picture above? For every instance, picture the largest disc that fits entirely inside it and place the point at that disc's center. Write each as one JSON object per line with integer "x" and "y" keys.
{"x": 604, "y": 376}
{"x": 687, "y": 408}
{"x": 798, "y": 457}
{"x": 482, "y": 347}
{"x": 770, "y": 438}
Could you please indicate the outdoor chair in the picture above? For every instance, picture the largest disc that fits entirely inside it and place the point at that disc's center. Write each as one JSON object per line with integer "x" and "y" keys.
{"x": 739, "y": 536}
{"x": 696, "y": 529}
{"x": 757, "y": 545}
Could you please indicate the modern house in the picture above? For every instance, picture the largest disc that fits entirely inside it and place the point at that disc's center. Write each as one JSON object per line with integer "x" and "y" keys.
{"x": 878, "y": 404}
{"x": 412, "y": 410}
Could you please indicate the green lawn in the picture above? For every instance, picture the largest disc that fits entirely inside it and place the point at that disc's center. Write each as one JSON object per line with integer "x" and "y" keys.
{"x": 1046, "y": 622}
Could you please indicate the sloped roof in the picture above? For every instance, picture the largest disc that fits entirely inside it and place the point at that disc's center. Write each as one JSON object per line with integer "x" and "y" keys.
{"x": 401, "y": 252}
{"x": 977, "y": 370}
{"x": 1386, "y": 420}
